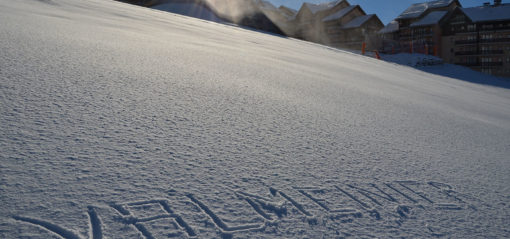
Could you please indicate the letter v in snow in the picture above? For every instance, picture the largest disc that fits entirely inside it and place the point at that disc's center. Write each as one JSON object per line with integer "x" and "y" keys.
{"x": 94, "y": 226}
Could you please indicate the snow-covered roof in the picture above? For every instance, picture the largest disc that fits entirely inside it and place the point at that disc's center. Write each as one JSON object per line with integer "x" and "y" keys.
{"x": 391, "y": 27}
{"x": 488, "y": 13}
{"x": 288, "y": 9}
{"x": 338, "y": 15}
{"x": 287, "y": 12}
{"x": 417, "y": 9}
{"x": 265, "y": 5}
{"x": 430, "y": 19}
{"x": 358, "y": 22}
{"x": 314, "y": 8}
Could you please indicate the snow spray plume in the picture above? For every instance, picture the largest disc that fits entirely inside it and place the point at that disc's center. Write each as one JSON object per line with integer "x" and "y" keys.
{"x": 234, "y": 10}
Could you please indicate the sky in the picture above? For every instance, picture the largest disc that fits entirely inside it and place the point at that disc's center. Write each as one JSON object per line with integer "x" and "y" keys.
{"x": 387, "y": 10}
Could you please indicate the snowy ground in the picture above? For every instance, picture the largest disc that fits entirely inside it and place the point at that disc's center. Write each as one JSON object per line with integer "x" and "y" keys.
{"x": 189, "y": 9}
{"x": 124, "y": 122}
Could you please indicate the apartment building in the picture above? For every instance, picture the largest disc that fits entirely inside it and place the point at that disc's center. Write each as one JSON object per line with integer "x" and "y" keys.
{"x": 418, "y": 28}
{"x": 479, "y": 37}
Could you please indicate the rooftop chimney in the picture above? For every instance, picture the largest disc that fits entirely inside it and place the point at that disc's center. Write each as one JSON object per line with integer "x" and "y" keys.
{"x": 497, "y": 2}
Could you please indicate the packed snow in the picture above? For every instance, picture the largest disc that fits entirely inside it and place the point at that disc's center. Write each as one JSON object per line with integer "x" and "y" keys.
{"x": 126, "y": 122}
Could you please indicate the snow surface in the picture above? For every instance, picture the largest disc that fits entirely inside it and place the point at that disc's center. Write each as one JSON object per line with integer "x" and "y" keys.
{"x": 189, "y": 9}
{"x": 125, "y": 122}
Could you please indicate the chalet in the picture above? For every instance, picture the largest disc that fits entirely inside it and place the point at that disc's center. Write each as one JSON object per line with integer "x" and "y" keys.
{"x": 308, "y": 22}
{"x": 420, "y": 17}
{"x": 426, "y": 33}
{"x": 336, "y": 24}
{"x": 350, "y": 27}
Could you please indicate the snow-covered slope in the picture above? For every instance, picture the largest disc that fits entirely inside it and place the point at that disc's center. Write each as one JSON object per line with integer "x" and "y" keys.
{"x": 125, "y": 122}
{"x": 189, "y": 9}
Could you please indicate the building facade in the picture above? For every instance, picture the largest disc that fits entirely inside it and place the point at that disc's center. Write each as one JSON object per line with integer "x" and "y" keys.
{"x": 418, "y": 28}
{"x": 336, "y": 24}
{"x": 479, "y": 38}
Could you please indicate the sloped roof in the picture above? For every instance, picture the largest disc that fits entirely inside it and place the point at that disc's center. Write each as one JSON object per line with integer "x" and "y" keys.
{"x": 417, "y": 9}
{"x": 430, "y": 19}
{"x": 284, "y": 8}
{"x": 265, "y": 5}
{"x": 341, "y": 13}
{"x": 391, "y": 27}
{"x": 287, "y": 12}
{"x": 358, "y": 22}
{"x": 488, "y": 13}
{"x": 314, "y": 8}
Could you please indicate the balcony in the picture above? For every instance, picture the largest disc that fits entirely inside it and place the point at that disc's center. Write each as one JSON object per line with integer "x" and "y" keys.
{"x": 495, "y": 29}
{"x": 485, "y": 41}
{"x": 494, "y": 40}
{"x": 486, "y": 52}
{"x": 466, "y": 42}
{"x": 466, "y": 53}
{"x": 492, "y": 52}
{"x": 491, "y": 64}
{"x": 468, "y": 64}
